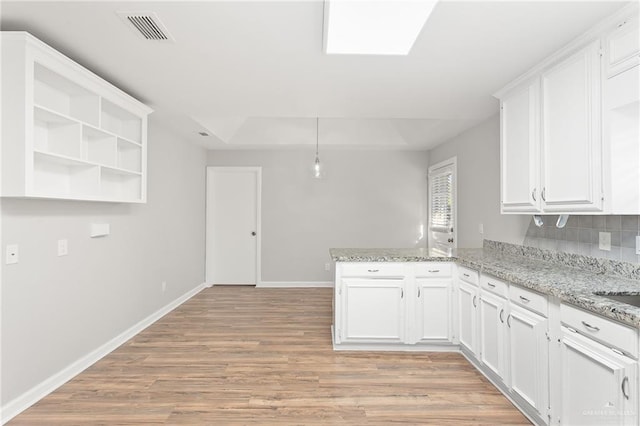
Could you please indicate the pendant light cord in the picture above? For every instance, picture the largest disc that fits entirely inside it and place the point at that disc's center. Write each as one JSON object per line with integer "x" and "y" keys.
{"x": 317, "y": 137}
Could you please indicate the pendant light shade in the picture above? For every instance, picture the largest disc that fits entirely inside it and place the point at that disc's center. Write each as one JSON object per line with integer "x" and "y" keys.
{"x": 318, "y": 170}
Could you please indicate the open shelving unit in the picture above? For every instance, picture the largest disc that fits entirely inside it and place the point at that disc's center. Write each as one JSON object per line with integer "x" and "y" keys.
{"x": 77, "y": 137}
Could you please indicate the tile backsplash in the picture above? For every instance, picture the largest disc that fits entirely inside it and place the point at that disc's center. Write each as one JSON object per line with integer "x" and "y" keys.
{"x": 581, "y": 236}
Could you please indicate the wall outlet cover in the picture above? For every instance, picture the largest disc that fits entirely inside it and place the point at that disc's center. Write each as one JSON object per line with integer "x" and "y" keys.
{"x": 605, "y": 241}
{"x": 63, "y": 247}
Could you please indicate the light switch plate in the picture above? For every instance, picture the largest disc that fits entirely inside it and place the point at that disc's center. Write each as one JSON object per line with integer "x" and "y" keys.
{"x": 638, "y": 244}
{"x": 11, "y": 254}
{"x": 605, "y": 241}
{"x": 63, "y": 247}
{"x": 100, "y": 230}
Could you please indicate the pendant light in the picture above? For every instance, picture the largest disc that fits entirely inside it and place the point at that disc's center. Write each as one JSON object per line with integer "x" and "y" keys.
{"x": 317, "y": 168}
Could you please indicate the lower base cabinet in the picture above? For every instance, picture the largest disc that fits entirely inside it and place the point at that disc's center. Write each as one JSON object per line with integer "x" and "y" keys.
{"x": 467, "y": 316}
{"x": 433, "y": 310}
{"x": 529, "y": 358}
{"x": 493, "y": 348}
{"x": 598, "y": 383}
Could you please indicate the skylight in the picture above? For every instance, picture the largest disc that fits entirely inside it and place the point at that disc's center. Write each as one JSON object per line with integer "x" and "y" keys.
{"x": 374, "y": 27}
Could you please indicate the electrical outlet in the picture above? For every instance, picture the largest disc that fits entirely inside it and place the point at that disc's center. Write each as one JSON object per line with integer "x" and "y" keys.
{"x": 638, "y": 244}
{"x": 164, "y": 286}
{"x": 327, "y": 266}
{"x": 63, "y": 247}
{"x": 605, "y": 241}
{"x": 11, "y": 254}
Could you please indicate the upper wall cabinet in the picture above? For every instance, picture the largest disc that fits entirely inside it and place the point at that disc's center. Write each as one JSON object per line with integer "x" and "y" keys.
{"x": 66, "y": 133}
{"x": 569, "y": 127}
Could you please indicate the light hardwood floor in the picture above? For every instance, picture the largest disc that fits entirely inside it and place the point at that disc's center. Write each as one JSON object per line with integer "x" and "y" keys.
{"x": 242, "y": 355}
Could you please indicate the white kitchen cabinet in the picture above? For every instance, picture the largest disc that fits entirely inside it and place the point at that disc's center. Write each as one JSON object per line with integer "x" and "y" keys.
{"x": 67, "y": 133}
{"x": 492, "y": 339}
{"x": 468, "y": 315}
{"x": 520, "y": 149}
{"x": 622, "y": 46}
{"x": 599, "y": 385}
{"x": 571, "y": 133}
{"x": 433, "y": 309}
{"x": 374, "y": 310}
{"x": 529, "y": 357}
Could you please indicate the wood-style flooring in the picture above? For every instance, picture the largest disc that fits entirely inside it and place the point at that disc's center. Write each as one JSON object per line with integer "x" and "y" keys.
{"x": 244, "y": 355}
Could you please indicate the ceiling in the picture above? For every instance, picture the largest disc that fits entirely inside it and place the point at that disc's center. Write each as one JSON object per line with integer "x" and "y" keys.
{"x": 254, "y": 75}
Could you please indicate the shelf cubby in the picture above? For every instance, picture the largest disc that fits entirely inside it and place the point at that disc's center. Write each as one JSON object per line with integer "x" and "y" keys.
{"x": 53, "y": 91}
{"x": 120, "y": 185}
{"x": 55, "y": 133}
{"x": 98, "y": 147}
{"x": 120, "y": 122}
{"x": 129, "y": 155}
{"x": 62, "y": 177}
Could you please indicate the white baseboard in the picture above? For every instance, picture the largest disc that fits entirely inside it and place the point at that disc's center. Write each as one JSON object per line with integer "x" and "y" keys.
{"x": 294, "y": 284}
{"x": 33, "y": 395}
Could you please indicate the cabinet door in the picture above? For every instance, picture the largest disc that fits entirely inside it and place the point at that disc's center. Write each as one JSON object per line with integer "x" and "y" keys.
{"x": 598, "y": 385}
{"x": 520, "y": 149}
{"x": 467, "y": 305}
{"x": 571, "y": 138}
{"x": 492, "y": 316}
{"x": 529, "y": 357}
{"x": 433, "y": 309}
{"x": 622, "y": 46}
{"x": 374, "y": 310}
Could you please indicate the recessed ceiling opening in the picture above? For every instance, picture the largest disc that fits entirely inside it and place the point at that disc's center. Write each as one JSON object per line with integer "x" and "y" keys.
{"x": 147, "y": 25}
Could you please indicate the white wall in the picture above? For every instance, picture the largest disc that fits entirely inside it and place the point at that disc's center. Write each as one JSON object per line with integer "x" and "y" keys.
{"x": 56, "y": 310}
{"x": 367, "y": 199}
{"x": 478, "y": 153}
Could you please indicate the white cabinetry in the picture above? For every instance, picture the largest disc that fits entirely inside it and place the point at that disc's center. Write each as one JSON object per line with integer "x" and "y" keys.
{"x": 598, "y": 384}
{"x": 493, "y": 349}
{"x": 468, "y": 293}
{"x": 622, "y": 46}
{"x": 433, "y": 309}
{"x": 520, "y": 149}
{"x": 571, "y": 133}
{"x": 67, "y": 133}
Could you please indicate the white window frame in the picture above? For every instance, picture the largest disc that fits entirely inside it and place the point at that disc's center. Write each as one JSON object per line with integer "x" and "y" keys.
{"x": 453, "y": 164}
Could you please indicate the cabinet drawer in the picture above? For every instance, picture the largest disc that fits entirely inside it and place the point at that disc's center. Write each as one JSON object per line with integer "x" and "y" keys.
{"x": 468, "y": 275}
{"x": 372, "y": 269}
{"x": 529, "y": 299}
{"x": 433, "y": 269}
{"x": 494, "y": 285}
{"x": 599, "y": 328}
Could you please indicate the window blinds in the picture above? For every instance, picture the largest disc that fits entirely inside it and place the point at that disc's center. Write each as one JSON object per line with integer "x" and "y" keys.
{"x": 441, "y": 201}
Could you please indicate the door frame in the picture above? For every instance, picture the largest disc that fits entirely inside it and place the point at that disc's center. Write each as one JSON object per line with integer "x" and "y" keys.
{"x": 453, "y": 163}
{"x": 258, "y": 174}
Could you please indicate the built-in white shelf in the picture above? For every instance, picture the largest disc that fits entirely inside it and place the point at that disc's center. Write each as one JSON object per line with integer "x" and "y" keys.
{"x": 67, "y": 133}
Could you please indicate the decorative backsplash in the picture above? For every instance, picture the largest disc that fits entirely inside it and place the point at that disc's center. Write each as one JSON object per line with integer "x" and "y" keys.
{"x": 581, "y": 236}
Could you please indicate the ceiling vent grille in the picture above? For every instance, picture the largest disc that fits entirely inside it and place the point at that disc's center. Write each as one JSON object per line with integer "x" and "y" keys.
{"x": 146, "y": 25}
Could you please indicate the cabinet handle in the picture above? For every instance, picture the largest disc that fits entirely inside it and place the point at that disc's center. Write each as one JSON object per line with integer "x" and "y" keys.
{"x": 501, "y": 312}
{"x": 491, "y": 285}
{"x": 533, "y": 194}
{"x": 373, "y": 270}
{"x": 590, "y": 327}
{"x": 401, "y": 293}
{"x": 509, "y": 320}
{"x": 524, "y": 299}
{"x": 418, "y": 291}
{"x": 435, "y": 270}
{"x": 543, "y": 192}
{"x": 625, "y": 382}
{"x": 474, "y": 301}
{"x": 466, "y": 275}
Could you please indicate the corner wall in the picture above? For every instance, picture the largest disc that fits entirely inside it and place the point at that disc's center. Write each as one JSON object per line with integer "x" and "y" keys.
{"x": 56, "y": 310}
{"x": 478, "y": 153}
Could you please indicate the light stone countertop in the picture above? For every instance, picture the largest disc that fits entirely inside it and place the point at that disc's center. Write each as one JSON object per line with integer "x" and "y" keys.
{"x": 570, "y": 284}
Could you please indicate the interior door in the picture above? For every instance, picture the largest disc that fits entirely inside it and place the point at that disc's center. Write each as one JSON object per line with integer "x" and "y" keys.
{"x": 233, "y": 234}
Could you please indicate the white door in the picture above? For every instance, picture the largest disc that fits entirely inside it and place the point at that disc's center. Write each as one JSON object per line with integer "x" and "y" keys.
{"x": 529, "y": 357}
{"x": 374, "y": 310}
{"x": 442, "y": 206}
{"x": 467, "y": 304}
{"x": 571, "y": 136}
{"x": 598, "y": 385}
{"x": 492, "y": 334}
{"x": 433, "y": 309}
{"x": 520, "y": 149}
{"x": 233, "y": 225}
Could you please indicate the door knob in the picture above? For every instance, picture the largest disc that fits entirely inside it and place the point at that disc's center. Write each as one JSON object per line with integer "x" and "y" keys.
{"x": 253, "y": 233}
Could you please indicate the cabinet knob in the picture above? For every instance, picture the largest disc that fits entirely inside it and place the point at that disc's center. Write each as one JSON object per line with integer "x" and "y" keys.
{"x": 533, "y": 194}
{"x": 544, "y": 190}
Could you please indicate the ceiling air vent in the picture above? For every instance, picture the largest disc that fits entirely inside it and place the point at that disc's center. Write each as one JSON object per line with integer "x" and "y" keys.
{"x": 147, "y": 25}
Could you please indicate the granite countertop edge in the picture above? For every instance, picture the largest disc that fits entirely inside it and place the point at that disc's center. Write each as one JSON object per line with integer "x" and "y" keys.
{"x": 570, "y": 285}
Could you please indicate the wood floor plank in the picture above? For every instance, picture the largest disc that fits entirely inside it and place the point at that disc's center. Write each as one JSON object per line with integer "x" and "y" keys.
{"x": 248, "y": 356}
